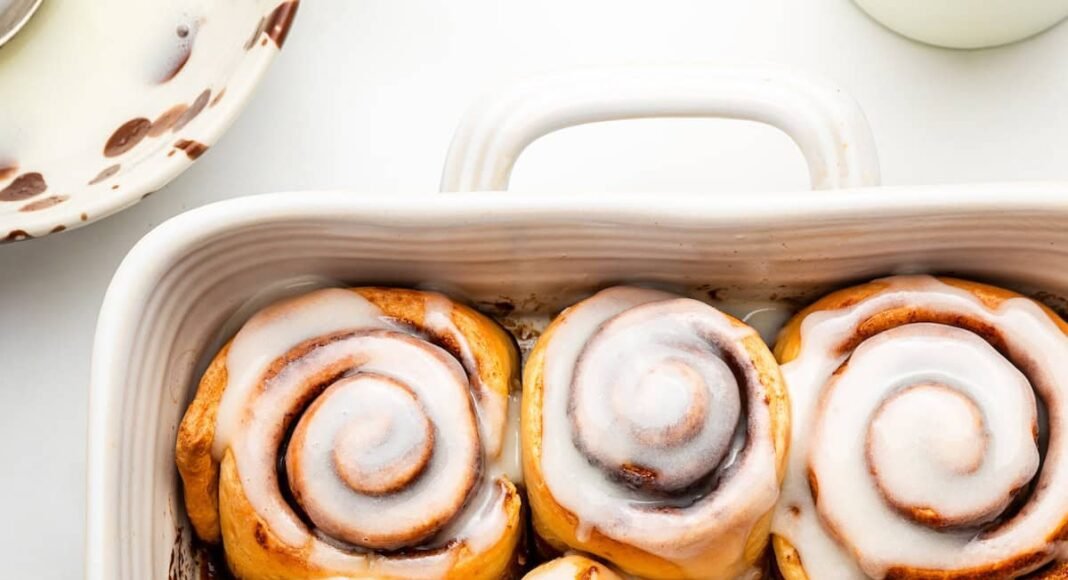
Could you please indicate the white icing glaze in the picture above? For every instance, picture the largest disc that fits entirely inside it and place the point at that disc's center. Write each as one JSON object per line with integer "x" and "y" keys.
{"x": 650, "y": 393}
{"x": 492, "y": 410}
{"x": 484, "y": 520}
{"x": 943, "y": 420}
{"x": 510, "y": 462}
{"x": 275, "y": 330}
{"x": 397, "y": 397}
{"x": 337, "y": 509}
{"x": 621, "y": 336}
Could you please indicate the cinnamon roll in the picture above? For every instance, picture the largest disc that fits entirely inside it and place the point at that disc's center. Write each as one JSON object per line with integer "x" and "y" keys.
{"x": 572, "y": 567}
{"x": 929, "y": 427}
{"x": 356, "y": 433}
{"x": 654, "y": 435}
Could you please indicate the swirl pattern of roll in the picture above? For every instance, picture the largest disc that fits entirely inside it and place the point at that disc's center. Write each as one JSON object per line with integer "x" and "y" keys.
{"x": 928, "y": 436}
{"x": 356, "y": 433}
{"x": 654, "y": 435}
{"x": 572, "y": 567}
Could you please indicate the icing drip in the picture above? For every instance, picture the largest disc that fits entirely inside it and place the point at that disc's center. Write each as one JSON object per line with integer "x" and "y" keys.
{"x": 510, "y": 462}
{"x": 645, "y": 424}
{"x": 386, "y": 446}
{"x": 767, "y": 317}
{"x": 912, "y": 450}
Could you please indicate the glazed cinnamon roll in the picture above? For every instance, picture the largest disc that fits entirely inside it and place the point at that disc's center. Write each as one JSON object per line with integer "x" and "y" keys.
{"x": 356, "y": 433}
{"x": 654, "y": 435}
{"x": 572, "y": 567}
{"x": 929, "y": 427}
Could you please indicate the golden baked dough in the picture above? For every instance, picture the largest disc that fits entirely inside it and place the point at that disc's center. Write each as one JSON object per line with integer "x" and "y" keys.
{"x": 727, "y": 552}
{"x": 916, "y": 304}
{"x": 572, "y": 567}
{"x": 219, "y": 505}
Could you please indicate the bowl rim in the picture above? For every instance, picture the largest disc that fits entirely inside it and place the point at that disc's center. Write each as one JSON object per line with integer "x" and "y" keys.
{"x": 144, "y": 183}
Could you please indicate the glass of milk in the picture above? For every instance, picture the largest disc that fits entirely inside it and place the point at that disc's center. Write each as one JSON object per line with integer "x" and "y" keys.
{"x": 966, "y": 23}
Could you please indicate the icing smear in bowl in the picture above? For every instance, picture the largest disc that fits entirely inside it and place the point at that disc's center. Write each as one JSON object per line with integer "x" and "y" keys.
{"x": 105, "y": 102}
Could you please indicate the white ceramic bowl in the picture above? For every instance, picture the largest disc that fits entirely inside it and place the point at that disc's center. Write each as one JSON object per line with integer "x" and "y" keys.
{"x": 966, "y": 23}
{"x": 104, "y": 102}
{"x": 187, "y": 285}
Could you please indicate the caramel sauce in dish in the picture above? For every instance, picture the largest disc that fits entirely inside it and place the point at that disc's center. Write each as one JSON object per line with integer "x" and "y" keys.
{"x": 360, "y": 455}
{"x": 910, "y": 449}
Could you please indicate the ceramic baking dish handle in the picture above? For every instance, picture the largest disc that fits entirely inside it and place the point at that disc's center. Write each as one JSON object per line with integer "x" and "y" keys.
{"x": 827, "y": 124}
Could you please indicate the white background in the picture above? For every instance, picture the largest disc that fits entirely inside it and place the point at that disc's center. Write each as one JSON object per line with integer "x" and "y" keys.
{"x": 364, "y": 98}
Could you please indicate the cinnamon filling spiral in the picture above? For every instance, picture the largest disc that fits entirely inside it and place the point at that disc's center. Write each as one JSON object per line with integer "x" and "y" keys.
{"x": 365, "y": 462}
{"x": 922, "y": 455}
{"x": 948, "y": 443}
{"x": 360, "y": 461}
{"x": 356, "y": 441}
{"x": 376, "y": 454}
{"x": 655, "y": 401}
{"x": 649, "y": 436}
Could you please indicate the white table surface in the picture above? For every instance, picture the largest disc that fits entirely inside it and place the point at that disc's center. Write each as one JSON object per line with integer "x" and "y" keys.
{"x": 365, "y": 97}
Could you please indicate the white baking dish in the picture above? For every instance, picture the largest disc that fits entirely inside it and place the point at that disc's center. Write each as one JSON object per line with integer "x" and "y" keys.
{"x": 189, "y": 282}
